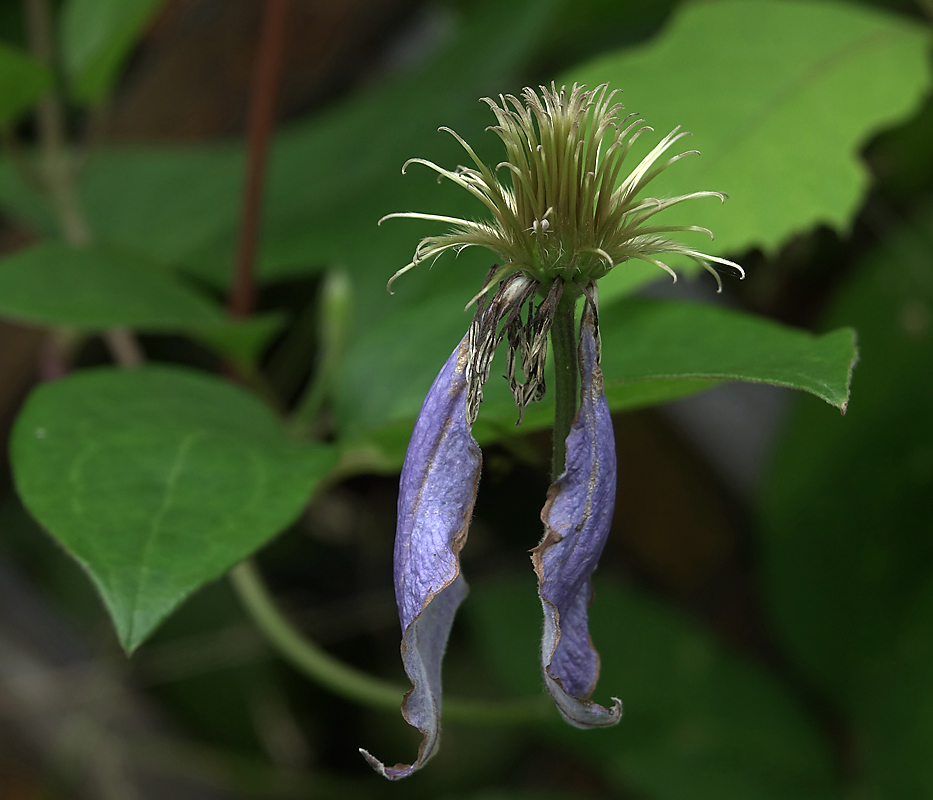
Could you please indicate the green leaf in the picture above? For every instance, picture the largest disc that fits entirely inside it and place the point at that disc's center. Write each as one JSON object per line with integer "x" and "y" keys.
{"x": 780, "y": 97}
{"x": 23, "y": 80}
{"x": 652, "y": 340}
{"x": 698, "y": 720}
{"x": 95, "y": 37}
{"x": 846, "y": 521}
{"x": 167, "y": 202}
{"x": 157, "y": 480}
{"x": 96, "y": 288}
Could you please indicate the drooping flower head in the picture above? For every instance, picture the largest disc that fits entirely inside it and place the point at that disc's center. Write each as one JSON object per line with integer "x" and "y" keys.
{"x": 563, "y": 218}
{"x": 564, "y": 210}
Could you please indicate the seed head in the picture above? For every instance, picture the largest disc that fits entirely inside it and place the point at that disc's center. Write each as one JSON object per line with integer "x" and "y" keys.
{"x": 562, "y": 210}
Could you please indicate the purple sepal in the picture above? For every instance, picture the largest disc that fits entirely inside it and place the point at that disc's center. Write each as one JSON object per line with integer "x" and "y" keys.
{"x": 577, "y": 517}
{"x": 436, "y": 495}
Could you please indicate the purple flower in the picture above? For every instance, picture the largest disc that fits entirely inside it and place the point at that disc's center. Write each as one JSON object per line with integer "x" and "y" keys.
{"x": 436, "y": 495}
{"x": 566, "y": 216}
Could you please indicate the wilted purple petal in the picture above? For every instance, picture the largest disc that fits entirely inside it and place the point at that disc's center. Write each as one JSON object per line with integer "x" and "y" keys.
{"x": 577, "y": 517}
{"x": 435, "y": 504}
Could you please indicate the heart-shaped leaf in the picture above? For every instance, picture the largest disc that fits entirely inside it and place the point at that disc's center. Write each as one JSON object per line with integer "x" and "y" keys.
{"x": 157, "y": 480}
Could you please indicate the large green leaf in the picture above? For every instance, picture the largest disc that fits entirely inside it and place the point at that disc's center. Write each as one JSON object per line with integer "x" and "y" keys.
{"x": 846, "y": 521}
{"x": 780, "y": 96}
{"x": 698, "y": 720}
{"x": 95, "y": 37}
{"x": 96, "y": 288}
{"x": 23, "y": 80}
{"x": 653, "y": 351}
{"x": 157, "y": 480}
{"x": 651, "y": 340}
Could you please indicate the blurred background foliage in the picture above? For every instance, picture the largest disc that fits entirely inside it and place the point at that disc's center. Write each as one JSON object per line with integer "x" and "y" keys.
{"x": 765, "y": 605}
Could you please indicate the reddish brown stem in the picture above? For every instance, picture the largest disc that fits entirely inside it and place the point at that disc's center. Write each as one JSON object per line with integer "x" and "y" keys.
{"x": 261, "y": 120}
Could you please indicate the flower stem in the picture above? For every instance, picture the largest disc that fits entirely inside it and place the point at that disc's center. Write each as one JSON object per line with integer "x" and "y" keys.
{"x": 349, "y": 682}
{"x": 564, "y": 347}
{"x": 302, "y": 653}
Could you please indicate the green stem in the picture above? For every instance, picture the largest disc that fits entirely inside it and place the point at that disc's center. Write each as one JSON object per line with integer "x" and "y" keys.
{"x": 334, "y": 311}
{"x": 58, "y": 172}
{"x": 50, "y": 121}
{"x": 349, "y": 682}
{"x": 304, "y": 654}
{"x": 564, "y": 352}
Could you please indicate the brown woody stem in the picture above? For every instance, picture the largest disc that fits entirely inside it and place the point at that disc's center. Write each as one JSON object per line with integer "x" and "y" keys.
{"x": 261, "y": 120}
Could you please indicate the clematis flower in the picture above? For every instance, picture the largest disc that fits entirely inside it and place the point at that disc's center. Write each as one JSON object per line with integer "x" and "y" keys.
{"x": 565, "y": 217}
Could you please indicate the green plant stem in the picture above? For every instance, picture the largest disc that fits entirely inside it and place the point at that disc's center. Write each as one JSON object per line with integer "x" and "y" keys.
{"x": 334, "y": 312}
{"x": 124, "y": 347}
{"x": 564, "y": 352}
{"x": 304, "y": 654}
{"x": 348, "y": 681}
{"x": 58, "y": 170}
